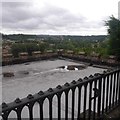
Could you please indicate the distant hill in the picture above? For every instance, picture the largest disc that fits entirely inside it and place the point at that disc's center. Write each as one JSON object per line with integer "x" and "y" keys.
{"x": 23, "y": 37}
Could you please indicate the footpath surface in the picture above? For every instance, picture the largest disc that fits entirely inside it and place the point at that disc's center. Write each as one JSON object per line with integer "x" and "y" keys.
{"x": 115, "y": 114}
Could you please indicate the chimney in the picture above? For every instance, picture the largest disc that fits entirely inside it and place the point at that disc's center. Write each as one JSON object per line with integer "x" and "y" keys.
{"x": 119, "y": 10}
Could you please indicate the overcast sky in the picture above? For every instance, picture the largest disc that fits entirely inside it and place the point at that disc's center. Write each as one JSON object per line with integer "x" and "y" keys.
{"x": 57, "y": 17}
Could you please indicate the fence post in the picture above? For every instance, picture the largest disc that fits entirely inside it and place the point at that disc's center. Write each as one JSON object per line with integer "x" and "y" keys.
{"x": 119, "y": 87}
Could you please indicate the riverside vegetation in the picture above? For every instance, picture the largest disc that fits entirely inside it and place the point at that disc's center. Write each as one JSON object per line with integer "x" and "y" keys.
{"x": 103, "y": 45}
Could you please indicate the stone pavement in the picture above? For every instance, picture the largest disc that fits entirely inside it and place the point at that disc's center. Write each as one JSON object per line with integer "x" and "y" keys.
{"x": 115, "y": 114}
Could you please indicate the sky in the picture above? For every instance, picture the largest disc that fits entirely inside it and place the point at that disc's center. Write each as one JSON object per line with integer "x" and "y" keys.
{"x": 57, "y": 17}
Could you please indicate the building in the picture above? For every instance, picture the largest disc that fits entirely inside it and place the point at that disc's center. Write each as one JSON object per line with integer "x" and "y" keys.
{"x": 36, "y": 54}
{"x": 111, "y": 59}
{"x": 6, "y": 49}
{"x": 7, "y": 57}
{"x": 70, "y": 52}
{"x": 82, "y": 55}
{"x": 23, "y": 55}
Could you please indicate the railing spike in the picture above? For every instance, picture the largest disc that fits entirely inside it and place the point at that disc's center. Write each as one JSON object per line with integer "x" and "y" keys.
{"x": 17, "y": 100}
{"x": 50, "y": 90}
{"x": 4, "y": 105}
{"x": 73, "y": 82}
{"x": 97, "y": 74}
{"x": 91, "y": 76}
{"x": 40, "y": 92}
{"x": 66, "y": 84}
{"x": 80, "y": 79}
{"x": 59, "y": 87}
{"x": 30, "y": 96}
{"x": 85, "y": 78}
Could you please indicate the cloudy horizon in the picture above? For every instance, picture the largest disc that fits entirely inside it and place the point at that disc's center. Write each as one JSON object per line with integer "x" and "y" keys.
{"x": 57, "y": 17}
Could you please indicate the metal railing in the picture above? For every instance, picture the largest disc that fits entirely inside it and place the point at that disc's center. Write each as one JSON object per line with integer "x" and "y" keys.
{"x": 96, "y": 95}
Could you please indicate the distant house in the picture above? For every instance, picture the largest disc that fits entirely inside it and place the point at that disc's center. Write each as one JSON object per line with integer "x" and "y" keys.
{"x": 6, "y": 49}
{"x": 111, "y": 59}
{"x": 60, "y": 51}
{"x": 82, "y": 54}
{"x": 7, "y": 57}
{"x": 36, "y": 54}
{"x": 70, "y": 52}
{"x": 49, "y": 51}
{"x": 23, "y": 55}
{"x": 95, "y": 56}
{"x": 51, "y": 45}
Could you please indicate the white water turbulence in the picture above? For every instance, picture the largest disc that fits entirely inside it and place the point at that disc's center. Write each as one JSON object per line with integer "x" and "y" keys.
{"x": 76, "y": 68}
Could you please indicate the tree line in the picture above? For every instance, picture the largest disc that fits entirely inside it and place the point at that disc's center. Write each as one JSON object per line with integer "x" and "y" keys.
{"x": 103, "y": 45}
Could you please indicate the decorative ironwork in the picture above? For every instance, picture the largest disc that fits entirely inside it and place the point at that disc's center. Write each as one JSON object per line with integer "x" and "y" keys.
{"x": 100, "y": 93}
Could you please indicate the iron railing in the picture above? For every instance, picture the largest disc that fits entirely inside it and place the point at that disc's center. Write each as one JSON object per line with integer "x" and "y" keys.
{"x": 95, "y": 96}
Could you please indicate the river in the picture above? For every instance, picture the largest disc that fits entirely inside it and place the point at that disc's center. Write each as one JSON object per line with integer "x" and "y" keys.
{"x": 42, "y": 75}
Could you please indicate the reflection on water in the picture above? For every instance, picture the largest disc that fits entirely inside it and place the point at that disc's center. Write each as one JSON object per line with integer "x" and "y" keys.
{"x": 35, "y": 76}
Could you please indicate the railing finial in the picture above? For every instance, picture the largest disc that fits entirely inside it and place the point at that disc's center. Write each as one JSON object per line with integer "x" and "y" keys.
{"x": 59, "y": 87}
{"x": 80, "y": 80}
{"x": 85, "y": 78}
{"x": 50, "y": 90}
{"x": 40, "y": 92}
{"x": 17, "y": 100}
{"x": 91, "y": 76}
{"x": 30, "y": 96}
{"x": 66, "y": 84}
{"x": 73, "y": 82}
{"x": 4, "y": 105}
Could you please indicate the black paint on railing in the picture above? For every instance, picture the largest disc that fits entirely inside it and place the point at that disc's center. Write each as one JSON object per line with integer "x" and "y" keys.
{"x": 101, "y": 93}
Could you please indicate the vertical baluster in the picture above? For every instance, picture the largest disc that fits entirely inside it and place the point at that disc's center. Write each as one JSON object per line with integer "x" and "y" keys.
{"x": 73, "y": 102}
{"x": 18, "y": 114}
{"x": 119, "y": 88}
{"x": 90, "y": 93}
{"x": 5, "y": 118}
{"x": 31, "y": 112}
{"x": 107, "y": 90}
{"x": 5, "y": 115}
{"x": 79, "y": 102}
{"x": 66, "y": 105}
{"x": 59, "y": 107}
{"x": 85, "y": 98}
{"x": 114, "y": 81}
{"x": 103, "y": 95}
{"x": 116, "y": 96}
{"x": 110, "y": 95}
{"x": 50, "y": 108}
{"x": 41, "y": 111}
{"x": 99, "y": 97}
{"x": 94, "y": 105}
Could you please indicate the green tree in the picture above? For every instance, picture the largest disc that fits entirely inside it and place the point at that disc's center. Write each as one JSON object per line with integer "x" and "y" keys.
{"x": 114, "y": 36}
{"x": 17, "y": 48}
{"x": 43, "y": 47}
{"x": 31, "y": 47}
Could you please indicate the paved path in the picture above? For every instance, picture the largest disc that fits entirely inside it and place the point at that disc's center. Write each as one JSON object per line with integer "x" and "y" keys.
{"x": 115, "y": 113}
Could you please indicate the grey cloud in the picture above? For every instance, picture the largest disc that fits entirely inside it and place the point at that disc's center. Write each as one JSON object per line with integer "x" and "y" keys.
{"x": 22, "y": 16}
{"x": 11, "y": 5}
{"x": 14, "y": 11}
